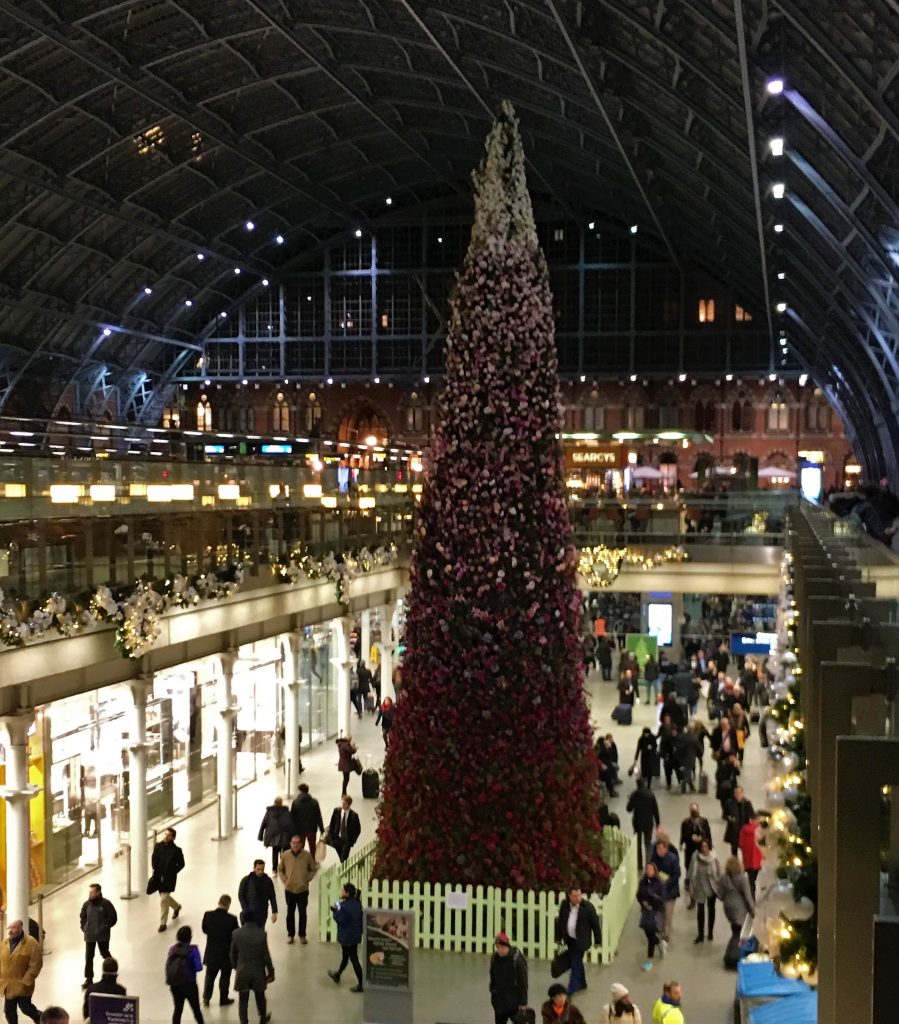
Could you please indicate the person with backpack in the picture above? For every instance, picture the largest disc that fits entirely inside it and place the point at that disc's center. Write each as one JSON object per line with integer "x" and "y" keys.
{"x": 182, "y": 965}
{"x": 346, "y": 758}
{"x": 347, "y": 913}
{"x": 508, "y": 980}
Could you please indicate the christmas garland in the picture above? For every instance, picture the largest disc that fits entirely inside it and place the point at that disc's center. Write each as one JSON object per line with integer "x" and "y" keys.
{"x": 601, "y": 565}
{"x": 341, "y": 569}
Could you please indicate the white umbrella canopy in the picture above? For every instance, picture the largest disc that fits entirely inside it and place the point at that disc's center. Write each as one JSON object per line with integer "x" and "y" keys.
{"x": 766, "y": 472}
{"x": 646, "y": 473}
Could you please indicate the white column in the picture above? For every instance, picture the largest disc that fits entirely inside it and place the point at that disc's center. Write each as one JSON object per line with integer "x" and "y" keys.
{"x": 18, "y": 794}
{"x": 386, "y": 614}
{"x": 365, "y": 638}
{"x": 292, "y": 685}
{"x": 137, "y": 779}
{"x": 223, "y": 734}
{"x": 342, "y": 662}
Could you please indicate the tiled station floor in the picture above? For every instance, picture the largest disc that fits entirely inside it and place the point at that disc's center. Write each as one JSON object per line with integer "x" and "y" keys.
{"x": 450, "y": 987}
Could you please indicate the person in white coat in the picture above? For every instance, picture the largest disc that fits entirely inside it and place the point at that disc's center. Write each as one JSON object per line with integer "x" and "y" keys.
{"x": 620, "y": 1010}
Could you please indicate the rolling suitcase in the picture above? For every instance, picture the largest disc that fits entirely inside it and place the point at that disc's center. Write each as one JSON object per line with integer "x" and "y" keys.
{"x": 371, "y": 784}
{"x": 623, "y": 714}
{"x": 370, "y": 703}
{"x": 703, "y": 782}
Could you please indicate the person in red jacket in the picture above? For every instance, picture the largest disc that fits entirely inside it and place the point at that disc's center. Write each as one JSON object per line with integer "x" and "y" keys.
{"x": 750, "y": 850}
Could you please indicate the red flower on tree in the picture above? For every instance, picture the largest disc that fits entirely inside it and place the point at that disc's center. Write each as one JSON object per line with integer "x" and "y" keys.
{"x": 490, "y": 775}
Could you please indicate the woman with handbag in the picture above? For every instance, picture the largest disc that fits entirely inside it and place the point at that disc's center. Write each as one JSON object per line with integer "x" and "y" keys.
{"x": 732, "y": 888}
{"x": 346, "y": 755}
{"x": 651, "y": 897}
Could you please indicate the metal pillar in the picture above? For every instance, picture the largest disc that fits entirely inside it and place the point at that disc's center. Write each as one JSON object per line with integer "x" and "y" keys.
{"x": 365, "y": 638}
{"x": 290, "y": 652}
{"x": 387, "y": 648}
{"x": 137, "y": 779}
{"x": 18, "y": 794}
{"x": 223, "y": 732}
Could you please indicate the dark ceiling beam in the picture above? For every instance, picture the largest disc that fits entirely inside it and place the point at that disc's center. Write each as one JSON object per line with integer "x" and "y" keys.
{"x": 610, "y": 127}
{"x": 753, "y": 163}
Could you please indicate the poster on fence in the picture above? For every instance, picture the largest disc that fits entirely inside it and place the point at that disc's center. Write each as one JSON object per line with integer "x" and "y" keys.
{"x": 389, "y": 937}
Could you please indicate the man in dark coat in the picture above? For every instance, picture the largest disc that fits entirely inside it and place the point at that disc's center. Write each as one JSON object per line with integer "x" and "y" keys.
{"x": 253, "y": 967}
{"x": 108, "y": 985}
{"x": 345, "y": 828}
{"x": 694, "y": 829}
{"x": 307, "y": 817}
{"x": 578, "y": 927}
{"x": 645, "y": 817}
{"x": 738, "y": 811}
{"x": 98, "y": 918}
{"x": 166, "y": 862}
{"x": 508, "y": 980}
{"x": 218, "y": 926}
{"x": 604, "y": 657}
{"x": 687, "y": 750}
{"x": 256, "y": 894}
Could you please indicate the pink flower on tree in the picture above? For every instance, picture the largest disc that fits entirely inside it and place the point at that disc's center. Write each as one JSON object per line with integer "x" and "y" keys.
{"x": 490, "y": 776}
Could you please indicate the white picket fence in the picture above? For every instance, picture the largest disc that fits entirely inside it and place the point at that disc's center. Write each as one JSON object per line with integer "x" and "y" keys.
{"x": 528, "y": 917}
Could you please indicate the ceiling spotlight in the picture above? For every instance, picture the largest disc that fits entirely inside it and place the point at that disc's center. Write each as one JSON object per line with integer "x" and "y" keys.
{"x": 778, "y": 189}
{"x": 250, "y": 226}
{"x": 244, "y": 381}
{"x": 148, "y": 290}
{"x": 772, "y": 377}
{"x": 633, "y": 378}
{"x": 591, "y": 225}
{"x": 200, "y": 257}
{"x": 223, "y": 315}
{"x": 330, "y": 380}
{"x": 377, "y": 380}
{"x": 633, "y": 229}
{"x": 583, "y": 378}
{"x": 777, "y": 146}
{"x": 279, "y": 239}
{"x": 237, "y": 270}
{"x": 358, "y": 232}
{"x": 308, "y": 298}
{"x": 778, "y": 228}
{"x": 440, "y": 239}
{"x": 427, "y": 380}
{"x": 775, "y": 86}
{"x": 188, "y": 303}
{"x": 681, "y": 377}
{"x": 728, "y": 376}
{"x": 781, "y": 307}
{"x": 781, "y": 276}
{"x": 803, "y": 379}
{"x": 265, "y": 282}
{"x": 106, "y": 332}
{"x": 388, "y": 201}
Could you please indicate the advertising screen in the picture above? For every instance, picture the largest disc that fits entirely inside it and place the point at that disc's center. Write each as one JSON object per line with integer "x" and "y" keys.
{"x": 660, "y": 623}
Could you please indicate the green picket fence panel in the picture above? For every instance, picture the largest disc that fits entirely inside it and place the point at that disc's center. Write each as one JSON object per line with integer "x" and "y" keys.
{"x": 479, "y": 912}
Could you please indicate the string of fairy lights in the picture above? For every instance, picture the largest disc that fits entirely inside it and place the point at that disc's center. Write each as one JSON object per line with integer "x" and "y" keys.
{"x": 600, "y": 566}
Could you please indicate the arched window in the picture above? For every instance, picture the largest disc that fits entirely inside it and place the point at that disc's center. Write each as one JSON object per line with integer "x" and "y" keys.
{"x": 778, "y": 419}
{"x": 246, "y": 416}
{"x": 415, "y": 417}
{"x": 280, "y": 414}
{"x": 742, "y": 316}
{"x": 704, "y": 416}
{"x": 171, "y": 417}
{"x": 742, "y": 416}
{"x": 204, "y": 414}
{"x": 311, "y": 414}
{"x": 594, "y": 413}
{"x": 669, "y": 416}
{"x": 817, "y": 416}
{"x": 706, "y": 311}
{"x": 634, "y": 417}
{"x": 736, "y": 417}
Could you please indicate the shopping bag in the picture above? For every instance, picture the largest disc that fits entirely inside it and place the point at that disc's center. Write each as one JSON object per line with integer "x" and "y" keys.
{"x": 152, "y": 885}
{"x": 561, "y": 963}
{"x": 321, "y": 849}
{"x": 526, "y": 1016}
{"x": 356, "y": 765}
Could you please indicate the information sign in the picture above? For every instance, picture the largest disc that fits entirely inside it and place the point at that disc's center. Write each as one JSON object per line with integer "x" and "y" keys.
{"x": 389, "y": 935}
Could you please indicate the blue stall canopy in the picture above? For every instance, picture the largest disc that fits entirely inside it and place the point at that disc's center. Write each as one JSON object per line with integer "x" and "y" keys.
{"x": 760, "y": 981}
{"x": 801, "y": 1008}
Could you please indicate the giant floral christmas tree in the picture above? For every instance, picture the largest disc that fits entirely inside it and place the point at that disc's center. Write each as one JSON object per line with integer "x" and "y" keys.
{"x": 491, "y": 777}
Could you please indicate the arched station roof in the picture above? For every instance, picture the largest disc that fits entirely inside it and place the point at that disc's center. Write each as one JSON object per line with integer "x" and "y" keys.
{"x": 140, "y": 136}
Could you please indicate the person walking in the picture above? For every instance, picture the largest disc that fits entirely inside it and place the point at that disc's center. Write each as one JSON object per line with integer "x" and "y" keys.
{"x": 276, "y": 830}
{"x": 667, "y": 863}
{"x": 182, "y": 965}
{"x": 98, "y": 918}
{"x": 307, "y": 817}
{"x": 218, "y": 926}
{"x": 644, "y": 810}
{"x": 21, "y": 960}
{"x": 577, "y": 925}
{"x": 651, "y": 900}
{"x": 347, "y": 913}
{"x": 750, "y": 851}
{"x": 559, "y": 1009}
{"x": 256, "y": 894}
{"x": 620, "y": 1010}
{"x": 108, "y": 985}
{"x": 702, "y": 878}
{"x": 651, "y": 673}
{"x": 732, "y": 888}
{"x": 346, "y": 753}
{"x": 667, "y": 1007}
{"x": 693, "y": 830}
{"x": 296, "y": 869}
{"x": 604, "y": 657}
{"x": 253, "y": 968}
{"x": 386, "y": 711}
{"x": 726, "y": 775}
{"x": 166, "y": 862}
{"x": 687, "y": 751}
{"x": 739, "y": 812}
{"x": 508, "y": 980}
{"x": 647, "y": 756}
{"x": 345, "y": 828}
